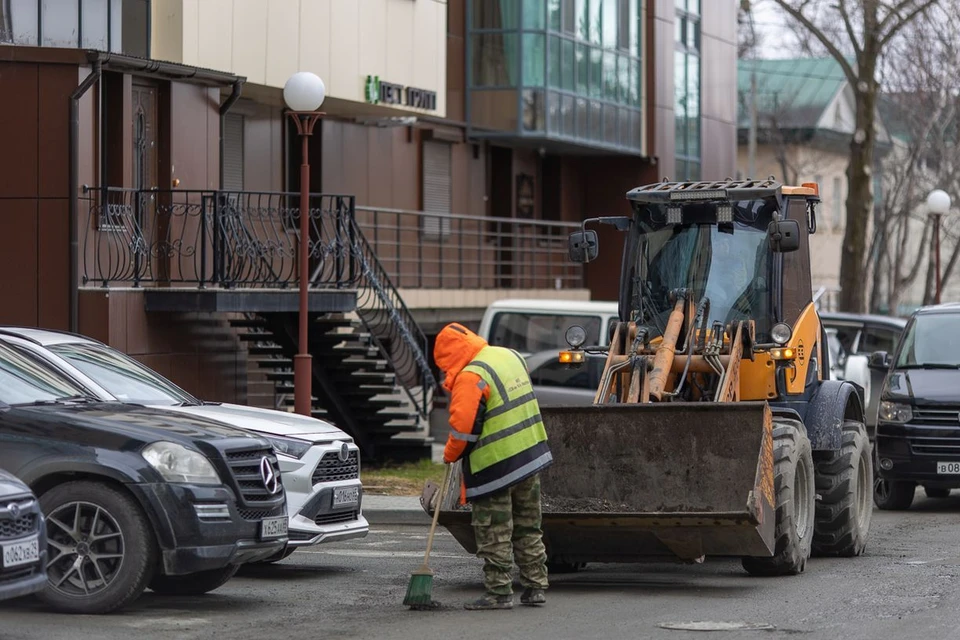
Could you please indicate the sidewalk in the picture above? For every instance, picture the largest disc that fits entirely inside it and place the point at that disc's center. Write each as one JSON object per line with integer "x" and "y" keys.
{"x": 394, "y": 510}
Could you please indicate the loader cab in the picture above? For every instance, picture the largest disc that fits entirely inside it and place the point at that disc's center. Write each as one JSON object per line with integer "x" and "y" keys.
{"x": 724, "y": 252}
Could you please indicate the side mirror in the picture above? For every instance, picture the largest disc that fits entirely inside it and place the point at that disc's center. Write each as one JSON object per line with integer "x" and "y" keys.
{"x": 784, "y": 235}
{"x": 879, "y": 360}
{"x": 583, "y": 246}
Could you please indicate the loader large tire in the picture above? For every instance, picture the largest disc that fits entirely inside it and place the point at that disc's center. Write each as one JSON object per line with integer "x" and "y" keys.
{"x": 844, "y": 481}
{"x": 794, "y": 490}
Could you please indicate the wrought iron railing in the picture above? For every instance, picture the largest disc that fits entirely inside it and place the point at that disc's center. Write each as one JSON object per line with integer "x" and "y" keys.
{"x": 228, "y": 239}
{"x": 390, "y": 323}
{"x": 250, "y": 239}
{"x": 419, "y": 249}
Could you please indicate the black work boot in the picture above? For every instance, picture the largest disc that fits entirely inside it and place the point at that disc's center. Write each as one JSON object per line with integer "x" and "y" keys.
{"x": 490, "y": 601}
{"x": 532, "y": 596}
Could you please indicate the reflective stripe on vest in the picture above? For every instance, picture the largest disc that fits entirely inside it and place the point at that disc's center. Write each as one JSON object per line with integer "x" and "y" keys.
{"x": 512, "y": 422}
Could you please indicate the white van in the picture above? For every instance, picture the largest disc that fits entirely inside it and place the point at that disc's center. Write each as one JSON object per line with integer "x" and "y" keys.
{"x": 529, "y": 326}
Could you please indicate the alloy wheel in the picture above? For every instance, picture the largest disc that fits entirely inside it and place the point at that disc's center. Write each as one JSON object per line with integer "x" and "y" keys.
{"x": 86, "y": 546}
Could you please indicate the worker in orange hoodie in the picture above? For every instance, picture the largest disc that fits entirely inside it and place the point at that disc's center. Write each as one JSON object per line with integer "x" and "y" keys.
{"x": 497, "y": 431}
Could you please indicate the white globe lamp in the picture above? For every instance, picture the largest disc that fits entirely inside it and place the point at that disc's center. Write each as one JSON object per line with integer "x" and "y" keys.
{"x": 938, "y": 202}
{"x": 304, "y": 91}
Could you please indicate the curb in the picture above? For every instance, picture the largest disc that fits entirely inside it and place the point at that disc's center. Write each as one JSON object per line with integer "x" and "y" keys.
{"x": 397, "y": 517}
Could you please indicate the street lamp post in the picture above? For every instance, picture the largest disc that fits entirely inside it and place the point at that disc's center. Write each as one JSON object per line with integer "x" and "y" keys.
{"x": 938, "y": 203}
{"x": 304, "y": 93}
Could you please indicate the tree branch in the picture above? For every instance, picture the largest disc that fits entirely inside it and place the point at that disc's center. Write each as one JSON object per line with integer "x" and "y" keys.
{"x": 797, "y": 14}
{"x": 848, "y": 25}
{"x": 886, "y": 37}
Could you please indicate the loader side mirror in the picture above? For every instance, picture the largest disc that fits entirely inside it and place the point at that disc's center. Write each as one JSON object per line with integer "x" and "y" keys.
{"x": 784, "y": 235}
{"x": 583, "y": 246}
{"x": 879, "y": 360}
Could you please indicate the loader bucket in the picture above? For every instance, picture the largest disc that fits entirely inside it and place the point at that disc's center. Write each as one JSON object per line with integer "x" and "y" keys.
{"x": 639, "y": 482}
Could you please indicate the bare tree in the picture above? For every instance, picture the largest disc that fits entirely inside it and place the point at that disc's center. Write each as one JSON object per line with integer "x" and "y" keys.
{"x": 861, "y": 30}
{"x": 921, "y": 104}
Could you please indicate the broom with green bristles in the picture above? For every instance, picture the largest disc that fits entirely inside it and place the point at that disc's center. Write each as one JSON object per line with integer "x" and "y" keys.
{"x": 419, "y": 591}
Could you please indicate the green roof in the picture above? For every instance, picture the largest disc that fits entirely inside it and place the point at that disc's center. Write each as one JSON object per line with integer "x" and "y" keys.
{"x": 795, "y": 91}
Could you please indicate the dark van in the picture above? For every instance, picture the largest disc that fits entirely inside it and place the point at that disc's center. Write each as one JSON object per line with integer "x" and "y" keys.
{"x": 918, "y": 421}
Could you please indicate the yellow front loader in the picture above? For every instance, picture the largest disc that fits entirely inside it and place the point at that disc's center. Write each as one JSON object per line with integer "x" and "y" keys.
{"x": 715, "y": 430}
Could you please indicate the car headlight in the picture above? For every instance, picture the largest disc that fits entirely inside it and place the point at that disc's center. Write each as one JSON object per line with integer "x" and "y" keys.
{"x": 289, "y": 446}
{"x": 893, "y": 412}
{"x": 781, "y": 333}
{"x": 176, "y": 463}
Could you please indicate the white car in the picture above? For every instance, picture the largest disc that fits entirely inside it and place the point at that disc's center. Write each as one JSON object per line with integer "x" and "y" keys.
{"x": 320, "y": 464}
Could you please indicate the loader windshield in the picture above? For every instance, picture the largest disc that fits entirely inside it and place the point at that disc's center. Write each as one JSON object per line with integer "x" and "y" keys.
{"x": 728, "y": 264}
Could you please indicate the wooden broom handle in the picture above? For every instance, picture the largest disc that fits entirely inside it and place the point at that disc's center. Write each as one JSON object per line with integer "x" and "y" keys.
{"x": 436, "y": 511}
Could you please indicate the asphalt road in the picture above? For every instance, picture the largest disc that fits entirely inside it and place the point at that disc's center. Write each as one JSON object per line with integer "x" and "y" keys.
{"x": 907, "y": 585}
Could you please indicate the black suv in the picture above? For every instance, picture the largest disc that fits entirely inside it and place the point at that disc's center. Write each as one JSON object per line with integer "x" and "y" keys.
{"x": 918, "y": 423}
{"x": 23, "y": 540}
{"x": 134, "y": 498}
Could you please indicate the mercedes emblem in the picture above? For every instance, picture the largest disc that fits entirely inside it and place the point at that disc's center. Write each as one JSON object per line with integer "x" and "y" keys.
{"x": 270, "y": 479}
{"x": 14, "y": 510}
{"x": 344, "y": 452}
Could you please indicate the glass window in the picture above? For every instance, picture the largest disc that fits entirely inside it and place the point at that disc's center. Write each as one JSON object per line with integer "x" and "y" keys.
{"x": 534, "y": 14}
{"x": 125, "y": 378}
{"x": 567, "y": 65}
{"x": 568, "y": 115}
{"x": 680, "y": 89}
{"x": 494, "y": 59}
{"x": 583, "y": 69}
{"x": 59, "y": 21}
{"x": 569, "y": 17}
{"x": 495, "y": 14}
{"x": 596, "y": 22}
{"x": 534, "y": 59}
{"x": 532, "y": 332}
{"x": 94, "y": 23}
{"x": 553, "y": 15}
{"x": 596, "y": 121}
{"x": 552, "y": 373}
{"x": 555, "y": 63}
{"x": 582, "y": 20}
{"x": 596, "y": 72}
{"x": 634, "y": 28}
{"x": 693, "y": 106}
{"x": 21, "y": 20}
{"x": 24, "y": 380}
{"x": 924, "y": 343}
{"x": 533, "y": 110}
{"x": 634, "y": 82}
{"x": 878, "y": 339}
{"x": 609, "y": 24}
{"x": 610, "y": 76}
{"x": 623, "y": 79}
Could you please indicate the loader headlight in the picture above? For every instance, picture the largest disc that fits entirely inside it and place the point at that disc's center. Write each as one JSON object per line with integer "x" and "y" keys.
{"x": 781, "y": 333}
{"x": 576, "y": 336}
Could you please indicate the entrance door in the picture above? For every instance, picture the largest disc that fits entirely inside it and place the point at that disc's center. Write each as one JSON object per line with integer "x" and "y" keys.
{"x": 150, "y": 232}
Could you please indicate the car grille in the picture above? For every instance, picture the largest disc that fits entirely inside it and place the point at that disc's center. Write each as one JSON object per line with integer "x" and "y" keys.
{"x": 24, "y": 524}
{"x": 936, "y": 416}
{"x": 332, "y": 469}
{"x": 331, "y": 518}
{"x": 256, "y": 501}
{"x": 934, "y": 431}
{"x": 20, "y": 573}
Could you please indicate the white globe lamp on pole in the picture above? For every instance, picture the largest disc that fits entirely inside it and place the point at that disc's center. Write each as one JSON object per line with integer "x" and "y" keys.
{"x": 938, "y": 204}
{"x": 304, "y": 92}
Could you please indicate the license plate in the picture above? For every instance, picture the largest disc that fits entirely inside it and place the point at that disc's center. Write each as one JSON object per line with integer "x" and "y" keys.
{"x": 20, "y": 553}
{"x": 948, "y": 468}
{"x": 273, "y": 528}
{"x": 343, "y": 496}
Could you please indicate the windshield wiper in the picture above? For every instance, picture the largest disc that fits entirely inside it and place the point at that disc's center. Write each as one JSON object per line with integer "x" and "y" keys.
{"x": 63, "y": 400}
{"x": 930, "y": 365}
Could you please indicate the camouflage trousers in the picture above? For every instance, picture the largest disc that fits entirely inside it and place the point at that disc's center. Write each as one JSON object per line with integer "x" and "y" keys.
{"x": 507, "y": 526}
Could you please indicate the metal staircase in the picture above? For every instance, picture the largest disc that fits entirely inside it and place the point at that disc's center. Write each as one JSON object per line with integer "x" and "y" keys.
{"x": 371, "y": 375}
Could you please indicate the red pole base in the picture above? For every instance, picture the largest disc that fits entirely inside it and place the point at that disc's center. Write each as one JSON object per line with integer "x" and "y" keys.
{"x": 302, "y": 378}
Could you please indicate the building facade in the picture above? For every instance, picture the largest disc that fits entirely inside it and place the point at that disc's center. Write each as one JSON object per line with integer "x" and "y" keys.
{"x": 152, "y": 205}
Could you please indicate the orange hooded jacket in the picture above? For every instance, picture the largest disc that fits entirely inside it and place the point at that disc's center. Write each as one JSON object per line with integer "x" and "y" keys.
{"x": 455, "y": 347}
